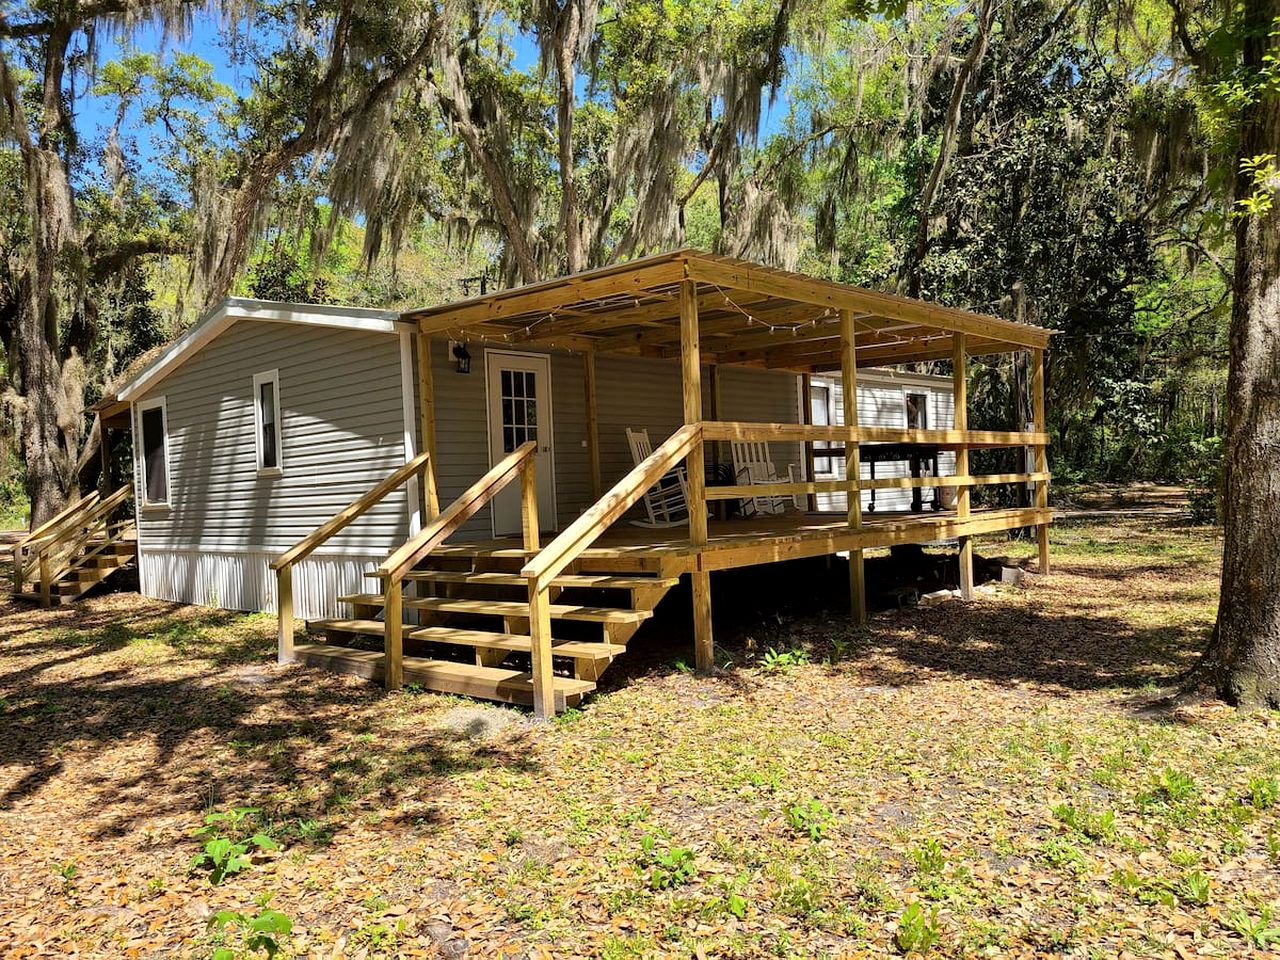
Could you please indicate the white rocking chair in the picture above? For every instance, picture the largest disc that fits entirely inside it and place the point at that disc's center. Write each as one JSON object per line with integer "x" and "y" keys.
{"x": 752, "y": 465}
{"x": 667, "y": 501}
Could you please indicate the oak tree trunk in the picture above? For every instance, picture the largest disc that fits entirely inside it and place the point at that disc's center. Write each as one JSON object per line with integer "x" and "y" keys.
{"x": 1243, "y": 656}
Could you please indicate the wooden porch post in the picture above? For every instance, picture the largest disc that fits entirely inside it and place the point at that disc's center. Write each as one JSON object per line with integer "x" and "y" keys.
{"x": 1042, "y": 455}
{"x": 593, "y": 422}
{"x": 284, "y": 614}
{"x": 427, "y": 413}
{"x": 852, "y": 464}
{"x": 393, "y": 635}
{"x": 960, "y": 395}
{"x": 691, "y": 384}
{"x": 806, "y": 417}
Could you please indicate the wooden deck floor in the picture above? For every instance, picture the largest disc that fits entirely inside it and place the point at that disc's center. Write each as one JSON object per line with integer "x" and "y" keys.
{"x": 766, "y": 539}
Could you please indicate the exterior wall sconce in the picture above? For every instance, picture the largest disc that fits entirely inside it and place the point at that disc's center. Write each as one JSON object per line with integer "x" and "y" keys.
{"x": 462, "y": 357}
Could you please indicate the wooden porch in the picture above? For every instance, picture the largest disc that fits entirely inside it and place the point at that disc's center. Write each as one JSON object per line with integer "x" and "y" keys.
{"x": 526, "y": 600}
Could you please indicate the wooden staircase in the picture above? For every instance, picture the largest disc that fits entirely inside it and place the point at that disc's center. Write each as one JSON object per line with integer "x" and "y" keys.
{"x": 72, "y": 553}
{"x": 467, "y": 623}
{"x": 534, "y": 624}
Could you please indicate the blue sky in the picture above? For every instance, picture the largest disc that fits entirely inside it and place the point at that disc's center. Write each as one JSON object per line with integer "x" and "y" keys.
{"x": 206, "y": 41}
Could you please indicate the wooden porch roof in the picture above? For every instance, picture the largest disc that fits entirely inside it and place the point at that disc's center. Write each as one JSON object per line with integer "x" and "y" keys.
{"x": 749, "y": 315}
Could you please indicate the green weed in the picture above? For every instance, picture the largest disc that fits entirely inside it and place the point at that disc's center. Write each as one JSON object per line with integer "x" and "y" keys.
{"x": 811, "y": 818}
{"x": 918, "y": 931}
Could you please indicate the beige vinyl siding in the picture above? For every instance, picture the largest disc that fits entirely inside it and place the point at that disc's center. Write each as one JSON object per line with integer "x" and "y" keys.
{"x": 635, "y": 392}
{"x": 341, "y": 431}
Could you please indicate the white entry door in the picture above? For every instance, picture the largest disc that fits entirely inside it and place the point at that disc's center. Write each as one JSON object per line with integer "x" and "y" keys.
{"x": 519, "y": 392}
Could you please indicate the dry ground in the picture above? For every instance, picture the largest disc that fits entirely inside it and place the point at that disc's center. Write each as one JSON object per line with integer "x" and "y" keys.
{"x": 999, "y": 777}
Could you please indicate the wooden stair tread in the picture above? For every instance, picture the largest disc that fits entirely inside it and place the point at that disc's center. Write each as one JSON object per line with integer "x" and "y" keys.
{"x": 597, "y": 581}
{"x": 520, "y": 608}
{"x": 492, "y": 683}
{"x": 506, "y": 608}
{"x": 471, "y": 638}
{"x": 515, "y": 642}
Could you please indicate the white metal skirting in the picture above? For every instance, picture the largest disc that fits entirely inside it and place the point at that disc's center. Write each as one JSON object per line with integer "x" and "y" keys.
{"x": 245, "y": 581}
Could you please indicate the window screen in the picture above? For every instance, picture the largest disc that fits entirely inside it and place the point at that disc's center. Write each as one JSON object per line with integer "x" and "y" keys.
{"x": 267, "y": 418}
{"x": 917, "y": 411}
{"x": 820, "y": 406}
{"x": 154, "y": 455}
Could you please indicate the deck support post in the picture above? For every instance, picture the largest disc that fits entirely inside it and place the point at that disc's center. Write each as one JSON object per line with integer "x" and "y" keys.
{"x": 960, "y": 397}
{"x": 852, "y": 465}
{"x": 284, "y": 614}
{"x": 544, "y": 683}
{"x": 691, "y": 393}
{"x": 46, "y": 585}
{"x": 427, "y": 414}
{"x": 593, "y": 421}
{"x": 1042, "y": 454}
{"x": 529, "y": 502}
{"x": 806, "y": 417}
{"x": 393, "y": 635}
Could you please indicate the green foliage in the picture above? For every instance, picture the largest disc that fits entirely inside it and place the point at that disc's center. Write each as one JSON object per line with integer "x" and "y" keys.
{"x": 1264, "y": 792}
{"x": 1171, "y": 786}
{"x": 812, "y": 818}
{"x": 1255, "y": 931}
{"x": 928, "y": 856}
{"x": 669, "y": 867}
{"x": 775, "y": 661}
{"x": 260, "y": 934}
{"x": 1194, "y": 887}
{"x": 1205, "y": 473}
{"x": 1086, "y": 823}
{"x": 918, "y": 931}
{"x": 226, "y": 855}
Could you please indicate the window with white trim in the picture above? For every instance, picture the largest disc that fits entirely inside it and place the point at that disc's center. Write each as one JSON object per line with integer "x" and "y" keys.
{"x": 154, "y": 428}
{"x": 820, "y": 407}
{"x": 917, "y": 405}
{"x": 266, "y": 417}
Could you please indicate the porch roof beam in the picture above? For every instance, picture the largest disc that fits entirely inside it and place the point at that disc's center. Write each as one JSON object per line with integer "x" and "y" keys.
{"x": 837, "y": 296}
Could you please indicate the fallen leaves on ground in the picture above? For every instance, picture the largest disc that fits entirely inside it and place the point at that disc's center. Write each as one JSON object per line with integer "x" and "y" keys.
{"x": 994, "y": 779}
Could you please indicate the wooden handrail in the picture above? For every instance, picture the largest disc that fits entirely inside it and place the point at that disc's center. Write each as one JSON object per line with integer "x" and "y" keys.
{"x": 564, "y": 549}
{"x": 474, "y": 499}
{"x": 806, "y": 433}
{"x": 303, "y": 548}
{"x": 283, "y": 564}
{"x": 57, "y": 545}
{"x": 56, "y": 519}
{"x": 783, "y": 488}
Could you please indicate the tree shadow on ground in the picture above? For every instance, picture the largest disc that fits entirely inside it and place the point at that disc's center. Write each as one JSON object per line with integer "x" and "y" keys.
{"x": 208, "y": 721}
{"x": 1014, "y": 640}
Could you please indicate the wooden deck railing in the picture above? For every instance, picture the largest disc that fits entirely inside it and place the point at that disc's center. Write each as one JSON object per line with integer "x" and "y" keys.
{"x": 67, "y": 541}
{"x": 519, "y": 463}
{"x": 809, "y": 434}
{"x": 557, "y": 555}
{"x": 283, "y": 565}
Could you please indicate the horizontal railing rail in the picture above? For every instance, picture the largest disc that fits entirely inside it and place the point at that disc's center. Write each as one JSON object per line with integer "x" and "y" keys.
{"x": 784, "y": 488}
{"x": 716, "y": 430}
{"x": 283, "y": 564}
